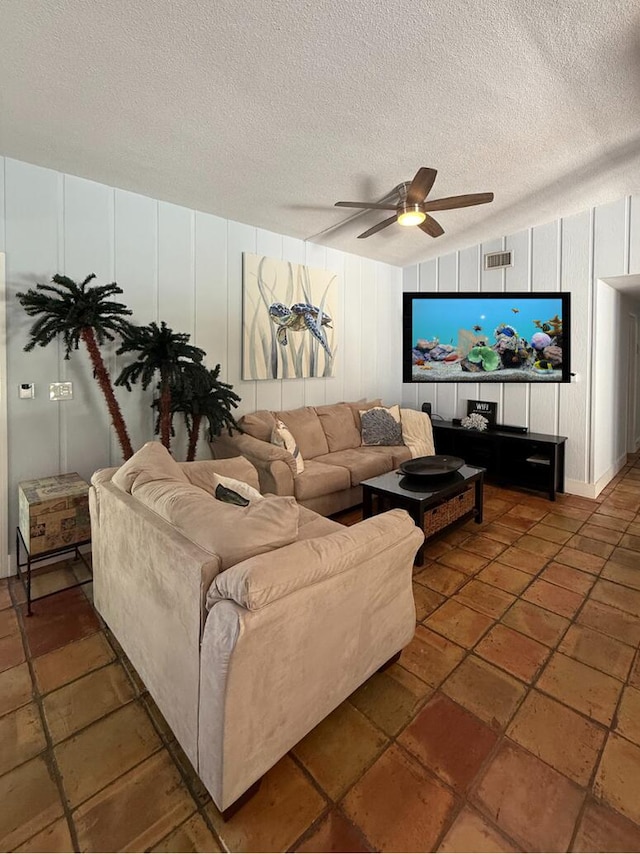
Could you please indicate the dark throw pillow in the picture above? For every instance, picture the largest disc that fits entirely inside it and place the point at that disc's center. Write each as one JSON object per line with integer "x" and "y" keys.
{"x": 381, "y": 426}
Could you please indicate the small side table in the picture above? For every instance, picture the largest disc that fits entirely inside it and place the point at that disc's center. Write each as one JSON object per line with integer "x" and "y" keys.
{"x": 53, "y": 521}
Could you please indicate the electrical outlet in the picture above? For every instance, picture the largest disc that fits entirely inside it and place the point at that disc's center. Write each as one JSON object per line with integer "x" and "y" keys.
{"x": 60, "y": 391}
{"x": 27, "y": 391}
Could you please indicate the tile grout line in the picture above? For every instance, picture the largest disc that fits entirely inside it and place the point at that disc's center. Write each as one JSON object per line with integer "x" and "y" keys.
{"x": 586, "y": 789}
{"x": 464, "y": 798}
{"x": 165, "y": 743}
{"x": 48, "y": 753}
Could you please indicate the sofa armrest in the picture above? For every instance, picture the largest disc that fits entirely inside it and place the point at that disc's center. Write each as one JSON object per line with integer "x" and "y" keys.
{"x": 257, "y": 581}
{"x": 269, "y": 676}
{"x": 149, "y": 586}
{"x": 264, "y": 456}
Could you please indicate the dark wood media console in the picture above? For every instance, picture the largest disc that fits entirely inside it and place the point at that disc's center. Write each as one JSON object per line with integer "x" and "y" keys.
{"x": 531, "y": 460}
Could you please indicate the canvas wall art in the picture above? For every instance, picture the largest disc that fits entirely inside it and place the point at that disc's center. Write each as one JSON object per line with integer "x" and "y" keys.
{"x": 289, "y": 320}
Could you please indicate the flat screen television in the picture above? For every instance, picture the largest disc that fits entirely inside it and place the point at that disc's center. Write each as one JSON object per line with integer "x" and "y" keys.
{"x": 486, "y": 337}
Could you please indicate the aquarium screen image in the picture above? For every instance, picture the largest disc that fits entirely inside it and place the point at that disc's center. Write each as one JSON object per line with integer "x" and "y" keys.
{"x": 490, "y": 337}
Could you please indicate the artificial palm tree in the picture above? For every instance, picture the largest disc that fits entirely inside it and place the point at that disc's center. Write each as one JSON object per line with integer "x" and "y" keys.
{"x": 163, "y": 353}
{"x": 204, "y": 396}
{"x": 77, "y": 312}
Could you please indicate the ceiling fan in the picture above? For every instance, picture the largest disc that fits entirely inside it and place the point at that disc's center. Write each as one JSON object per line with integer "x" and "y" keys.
{"x": 412, "y": 208}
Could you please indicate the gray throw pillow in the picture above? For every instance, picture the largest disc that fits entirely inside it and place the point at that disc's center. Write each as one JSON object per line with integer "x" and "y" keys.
{"x": 381, "y": 426}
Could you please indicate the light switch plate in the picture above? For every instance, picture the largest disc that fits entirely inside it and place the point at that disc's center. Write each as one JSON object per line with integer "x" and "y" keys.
{"x": 26, "y": 391}
{"x": 60, "y": 391}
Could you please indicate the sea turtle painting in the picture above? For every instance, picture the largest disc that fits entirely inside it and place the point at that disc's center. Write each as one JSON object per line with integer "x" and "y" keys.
{"x": 301, "y": 316}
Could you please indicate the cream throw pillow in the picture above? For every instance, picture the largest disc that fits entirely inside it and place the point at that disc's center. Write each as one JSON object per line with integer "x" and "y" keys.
{"x": 417, "y": 433}
{"x": 283, "y": 438}
{"x": 238, "y": 486}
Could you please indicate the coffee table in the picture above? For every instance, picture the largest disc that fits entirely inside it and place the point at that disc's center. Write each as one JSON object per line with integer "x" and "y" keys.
{"x": 394, "y": 490}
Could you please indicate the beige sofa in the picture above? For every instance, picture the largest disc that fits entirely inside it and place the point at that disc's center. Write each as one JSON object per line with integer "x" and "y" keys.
{"x": 335, "y": 461}
{"x": 247, "y": 625}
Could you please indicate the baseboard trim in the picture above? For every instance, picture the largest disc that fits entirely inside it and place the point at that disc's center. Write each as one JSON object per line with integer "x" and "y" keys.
{"x": 593, "y": 490}
{"x": 577, "y": 487}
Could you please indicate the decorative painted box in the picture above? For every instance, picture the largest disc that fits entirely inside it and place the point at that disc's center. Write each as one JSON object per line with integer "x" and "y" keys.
{"x": 54, "y": 512}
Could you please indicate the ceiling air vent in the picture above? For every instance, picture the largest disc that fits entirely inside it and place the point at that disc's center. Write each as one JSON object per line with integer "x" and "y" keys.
{"x": 497, "y": 260}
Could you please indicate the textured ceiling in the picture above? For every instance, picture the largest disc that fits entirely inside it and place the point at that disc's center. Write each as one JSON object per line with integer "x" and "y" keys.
{"x": 269, "y": 112}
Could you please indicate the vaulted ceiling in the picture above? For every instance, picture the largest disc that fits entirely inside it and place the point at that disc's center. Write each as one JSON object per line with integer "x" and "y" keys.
{"x": 269, "y": 112}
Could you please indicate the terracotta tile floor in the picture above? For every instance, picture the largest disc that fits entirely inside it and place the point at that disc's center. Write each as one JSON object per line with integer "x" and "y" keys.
{"x": 511, "y": 722}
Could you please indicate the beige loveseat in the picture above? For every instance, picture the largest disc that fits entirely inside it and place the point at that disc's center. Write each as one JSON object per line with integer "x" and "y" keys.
{"x": 335, "y": 461}
{"x": 247, "y": 625}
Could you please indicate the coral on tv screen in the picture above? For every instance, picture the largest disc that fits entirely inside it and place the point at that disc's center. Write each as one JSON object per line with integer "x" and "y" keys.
{"x": 490, "y": 337}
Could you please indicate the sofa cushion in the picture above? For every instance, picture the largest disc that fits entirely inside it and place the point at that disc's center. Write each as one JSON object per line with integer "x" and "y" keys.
{"x": 151, "y": 462}
{"x": 359, "y": 406}
{"x": 307, "y": 431}
{"x": 359, "y": 463}
{"x": 339, "y": 426}
{"x": 257, "y": 582}
{"x": 312, "y": 525}
{"x": 397, "y": 453}
{"x": 259, "y": 424}
{"x": 417, "y": 432}
{"x": 232, "y": 533}
{"x": 381, "y": 426}
{"x": 320, "y": 479}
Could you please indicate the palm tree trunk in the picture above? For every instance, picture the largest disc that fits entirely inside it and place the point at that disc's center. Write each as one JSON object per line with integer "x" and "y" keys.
{"x": 101, "y": 374}
{"x": 194, "y": 435}
{"x": 165, "y": 413}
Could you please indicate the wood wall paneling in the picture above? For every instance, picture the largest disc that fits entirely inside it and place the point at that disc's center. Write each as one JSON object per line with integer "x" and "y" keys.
{"x": 610, "y": 363}
{"x": 470, "y": 261}
{"x": 570, "y": 255}
{"x": 88, "y": 248}
{"x": 354, "y": 360}
{"x": 427, "y": 282}
{"x": 447, "y": 399}
{"x": 515, "y": 398}
{"x": 136, "y": 271}
{"x": 210, "y": 299}
{"x": 32, "y": 201}
{"x": 574, "y": 410}
{"x": 368, "y": 327}
{"x": 241, "y": 238}
{"x": 490, "y": 280}
{"x": 545, "y": 270}
{"x": 334, "y": 388}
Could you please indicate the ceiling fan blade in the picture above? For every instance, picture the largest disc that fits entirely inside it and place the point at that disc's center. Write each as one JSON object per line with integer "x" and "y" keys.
{"x": 374, "y": 206}
{"x": 453, "y": 202}
{"x": 431, "y": 227}
{"x": 420, "y": 186}
{"x": 374, "y": 229}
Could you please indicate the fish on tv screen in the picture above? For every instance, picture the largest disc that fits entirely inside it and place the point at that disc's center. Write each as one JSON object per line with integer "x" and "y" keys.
{"x": 491, "y": 337}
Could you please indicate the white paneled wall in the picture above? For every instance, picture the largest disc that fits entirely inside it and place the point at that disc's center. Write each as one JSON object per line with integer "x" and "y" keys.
{"x": 176, "y": 265}
{"x": 569, "y": 254}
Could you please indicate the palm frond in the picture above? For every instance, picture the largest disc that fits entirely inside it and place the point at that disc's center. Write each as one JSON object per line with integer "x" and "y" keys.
{"x": 67, "y": 309}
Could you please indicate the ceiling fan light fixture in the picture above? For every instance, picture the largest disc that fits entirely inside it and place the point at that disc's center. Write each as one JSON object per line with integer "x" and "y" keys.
{"x": 411, "y": 215}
